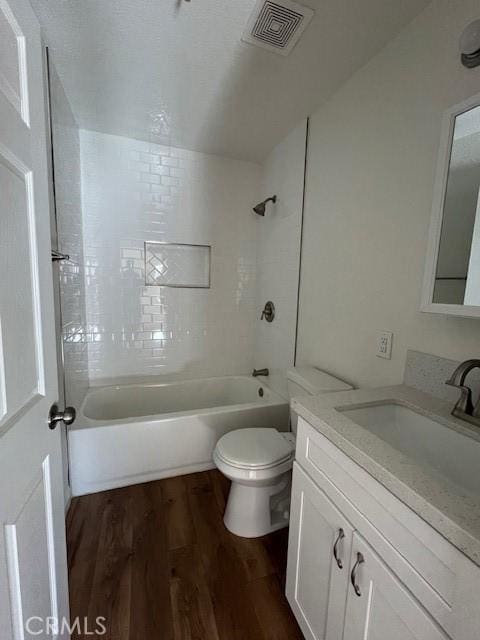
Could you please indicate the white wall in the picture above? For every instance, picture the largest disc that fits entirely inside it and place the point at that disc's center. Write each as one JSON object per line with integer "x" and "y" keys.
{"x": 133, "y": 192}
{"x": 278, "y": 251}
{"x": 372, "y": 158}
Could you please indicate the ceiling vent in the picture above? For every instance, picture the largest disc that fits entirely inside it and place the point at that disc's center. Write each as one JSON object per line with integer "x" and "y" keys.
{"x": 277, "y": 26}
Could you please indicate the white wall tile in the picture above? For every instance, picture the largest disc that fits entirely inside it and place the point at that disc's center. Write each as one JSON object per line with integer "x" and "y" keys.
{"x": 278, "y": 251}
{"x": 134, "y": 192}
{"x": 66, "y": 147}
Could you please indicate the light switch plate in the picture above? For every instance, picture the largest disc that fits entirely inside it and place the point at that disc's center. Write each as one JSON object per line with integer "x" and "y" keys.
{"x": 384, "y": 345}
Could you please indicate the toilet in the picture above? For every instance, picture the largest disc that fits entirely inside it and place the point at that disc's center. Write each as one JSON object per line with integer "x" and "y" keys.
{"x": 259, "y": 462}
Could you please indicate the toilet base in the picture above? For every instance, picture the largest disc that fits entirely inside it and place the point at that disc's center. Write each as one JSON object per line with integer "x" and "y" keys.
{"x": 253, "y": 511}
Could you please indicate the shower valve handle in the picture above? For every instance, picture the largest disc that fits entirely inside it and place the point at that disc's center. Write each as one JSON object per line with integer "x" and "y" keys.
{"x": 268, "y": 312}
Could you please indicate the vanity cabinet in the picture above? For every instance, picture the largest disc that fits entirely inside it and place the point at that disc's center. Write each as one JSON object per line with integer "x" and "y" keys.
{"x": 337, "y": 586}
{"x": 362, "y": 565}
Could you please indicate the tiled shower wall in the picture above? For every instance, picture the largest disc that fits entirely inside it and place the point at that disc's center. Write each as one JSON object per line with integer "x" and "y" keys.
{"x": 278, "y": 251}
{"x": 66, "y": 145}
{"x": 132, "y": 192}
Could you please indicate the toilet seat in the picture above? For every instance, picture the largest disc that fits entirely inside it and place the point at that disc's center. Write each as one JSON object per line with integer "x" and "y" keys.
{"x": 254, "y": 449}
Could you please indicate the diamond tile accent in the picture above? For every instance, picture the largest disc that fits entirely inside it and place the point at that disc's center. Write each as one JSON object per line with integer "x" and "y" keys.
{"x": 177, "y": 265}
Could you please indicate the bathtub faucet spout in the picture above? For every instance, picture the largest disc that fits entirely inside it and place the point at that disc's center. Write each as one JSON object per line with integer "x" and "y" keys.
{"x": 260, "y": 372}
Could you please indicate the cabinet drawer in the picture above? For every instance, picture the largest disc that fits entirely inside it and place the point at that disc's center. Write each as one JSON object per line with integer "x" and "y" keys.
{"x": 424, "y": 561}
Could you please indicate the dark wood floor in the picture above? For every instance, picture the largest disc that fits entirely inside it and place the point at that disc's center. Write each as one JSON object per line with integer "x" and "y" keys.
{"x": 156, "y": 561}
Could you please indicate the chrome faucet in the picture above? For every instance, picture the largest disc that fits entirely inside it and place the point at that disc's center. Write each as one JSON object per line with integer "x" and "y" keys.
{"x": 260, "y": 372}
{"x": 464, "y": 409}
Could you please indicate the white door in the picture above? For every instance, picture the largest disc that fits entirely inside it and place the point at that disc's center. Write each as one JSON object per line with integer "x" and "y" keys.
{"x": 379, "y": 606}
{"x": 33, "y": 575}
{"x": 318, "y": 556}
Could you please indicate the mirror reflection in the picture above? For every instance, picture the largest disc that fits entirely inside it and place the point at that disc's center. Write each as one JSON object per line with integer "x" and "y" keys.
{"x": 457, "y": 279}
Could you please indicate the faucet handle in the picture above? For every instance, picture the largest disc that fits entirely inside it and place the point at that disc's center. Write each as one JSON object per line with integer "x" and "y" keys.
{"x": 464, "y": 404}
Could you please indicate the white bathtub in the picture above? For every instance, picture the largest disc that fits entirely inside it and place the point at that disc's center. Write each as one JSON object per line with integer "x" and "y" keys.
{"x": 129, "y": 434}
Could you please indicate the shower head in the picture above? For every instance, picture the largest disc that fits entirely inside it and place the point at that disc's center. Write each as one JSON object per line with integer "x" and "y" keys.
{"x": 260, "y": 208}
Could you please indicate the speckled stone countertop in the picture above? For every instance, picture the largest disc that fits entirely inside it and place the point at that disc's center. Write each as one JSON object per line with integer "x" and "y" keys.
{"x": 450, "y": 509}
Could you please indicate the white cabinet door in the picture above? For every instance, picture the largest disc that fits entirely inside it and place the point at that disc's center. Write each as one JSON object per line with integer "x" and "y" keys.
{"x": 33, "y": 568}
{"x": 379, "y": 606}
{"x": 317, "y": 580}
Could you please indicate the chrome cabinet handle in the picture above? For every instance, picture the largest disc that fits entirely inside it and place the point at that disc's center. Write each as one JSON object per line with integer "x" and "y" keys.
{"x": 340, "y": 537}
{"x": 353, "y": 575}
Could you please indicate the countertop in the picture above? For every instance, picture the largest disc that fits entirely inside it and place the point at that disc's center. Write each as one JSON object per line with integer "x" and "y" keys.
{"x": 451, "y": 510}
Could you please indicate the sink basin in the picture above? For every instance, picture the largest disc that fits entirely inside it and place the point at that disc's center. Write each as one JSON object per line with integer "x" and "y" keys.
{"x": 437, "y": 447}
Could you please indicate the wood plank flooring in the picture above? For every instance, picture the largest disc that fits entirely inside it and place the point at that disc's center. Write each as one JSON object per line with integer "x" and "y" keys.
{"x": 156, "y": 561}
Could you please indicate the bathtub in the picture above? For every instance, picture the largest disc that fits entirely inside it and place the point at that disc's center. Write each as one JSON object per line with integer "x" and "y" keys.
{"x": 127, "y": 434}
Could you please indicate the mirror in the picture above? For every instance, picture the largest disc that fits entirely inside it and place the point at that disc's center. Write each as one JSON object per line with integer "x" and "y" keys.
{"x": 452, "y": 279}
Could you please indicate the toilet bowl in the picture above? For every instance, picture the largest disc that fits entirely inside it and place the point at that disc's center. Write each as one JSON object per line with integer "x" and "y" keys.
{"x": 258, "y": 461}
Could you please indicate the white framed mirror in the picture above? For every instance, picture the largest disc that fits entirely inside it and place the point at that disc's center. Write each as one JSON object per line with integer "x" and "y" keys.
{"x": 452, "y": 269}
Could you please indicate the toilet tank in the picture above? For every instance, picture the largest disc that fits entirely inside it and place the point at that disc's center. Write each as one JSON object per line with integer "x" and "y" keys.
{"x": 310, "y": 381}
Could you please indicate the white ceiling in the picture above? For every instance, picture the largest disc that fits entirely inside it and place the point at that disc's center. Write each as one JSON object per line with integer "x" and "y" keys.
{"x": 177, "y": 73}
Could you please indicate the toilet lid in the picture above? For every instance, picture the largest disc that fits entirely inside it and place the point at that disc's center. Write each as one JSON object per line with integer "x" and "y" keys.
{"x": 254, "y": 448}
